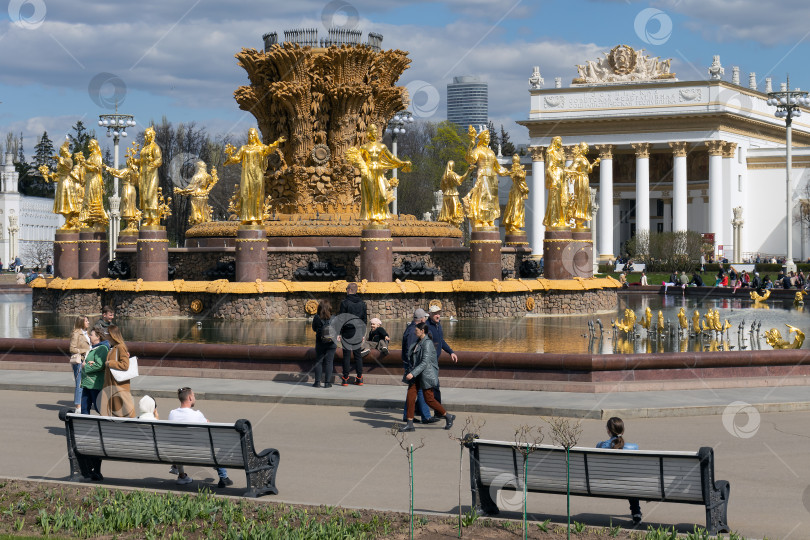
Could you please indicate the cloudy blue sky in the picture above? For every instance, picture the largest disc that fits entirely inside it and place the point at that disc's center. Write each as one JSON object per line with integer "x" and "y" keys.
{"x": 69, "y": 60}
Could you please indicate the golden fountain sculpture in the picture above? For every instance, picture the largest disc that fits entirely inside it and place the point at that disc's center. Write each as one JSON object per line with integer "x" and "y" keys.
{"x": 93, "y": 216}
{"x": 514, "y": 216}
{"x": 376, "y": 192}
{"x": 64, "y": 201}
{"x": 198, "y": 188}
{"x": 646, "y": 319}
{"x": 253, "y": 157}
{"x": 323, "y": 100}
{"x": 452, "y": 212}
{"x": 579, "y": 207}
{"x": 556, "y": 217}
{"x": 683, "y": 321}
{"x": 756, "y": 297}
{"x": 661, "y": 324}
{"x": 148, "y": 162}
{"x": 129, "y": 177}
{"x": 481, "y": 203}
{"x": 696, "y": 322}
{"x": 774, "y": 338}
{"x": 628, "y": 322}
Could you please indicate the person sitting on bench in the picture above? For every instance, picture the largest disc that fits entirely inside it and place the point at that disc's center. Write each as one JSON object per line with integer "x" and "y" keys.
{"x": 615, "y": 428}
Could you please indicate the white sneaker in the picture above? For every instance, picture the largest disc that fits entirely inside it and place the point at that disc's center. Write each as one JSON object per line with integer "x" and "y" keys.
{"x": 174, "y": 470}
{"x": 183, "y": 480}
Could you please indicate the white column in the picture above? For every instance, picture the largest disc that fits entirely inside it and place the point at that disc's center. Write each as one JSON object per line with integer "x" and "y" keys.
{"x": 666, "y": 218}
{"x": 679, "y": 191}
{"x": 606, "y": 220}
{"x": 716, "y": 191}
{"x": 536, "y": 210}
{"x": 642, "y": 186}
{"x": 729, "y": 153}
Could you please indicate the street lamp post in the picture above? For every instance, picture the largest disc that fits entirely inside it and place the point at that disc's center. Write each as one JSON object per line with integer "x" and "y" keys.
{"x": 788, "y": 103}
{"x": 116, "y": 125}
{"x": 395, "y": 127}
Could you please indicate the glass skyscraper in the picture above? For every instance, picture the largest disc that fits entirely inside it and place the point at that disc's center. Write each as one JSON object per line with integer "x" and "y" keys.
{"x": 467, "y": 102}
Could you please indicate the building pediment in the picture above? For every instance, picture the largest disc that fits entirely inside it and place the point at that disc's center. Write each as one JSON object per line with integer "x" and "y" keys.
{"x": 623, "y": 64}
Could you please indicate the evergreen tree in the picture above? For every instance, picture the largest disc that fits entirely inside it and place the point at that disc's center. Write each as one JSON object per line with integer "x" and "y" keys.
{"x": 80, "y": 142}
{"x": 44, "y": 152}
{"x": 507, "y": 148}
{"x": 30, "y": 182}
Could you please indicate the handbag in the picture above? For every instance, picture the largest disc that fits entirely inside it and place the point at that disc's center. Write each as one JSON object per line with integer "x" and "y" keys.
{"x": 124, "y": 376}
{"x": 76, "y": 358}
{"x": 327, "y": 333}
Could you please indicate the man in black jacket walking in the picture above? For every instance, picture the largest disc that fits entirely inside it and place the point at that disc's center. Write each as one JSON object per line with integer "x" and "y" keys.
{"x": 353, "y": 305}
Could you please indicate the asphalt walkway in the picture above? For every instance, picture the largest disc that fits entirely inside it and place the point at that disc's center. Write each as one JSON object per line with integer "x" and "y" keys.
{"x": 648, "y": 404}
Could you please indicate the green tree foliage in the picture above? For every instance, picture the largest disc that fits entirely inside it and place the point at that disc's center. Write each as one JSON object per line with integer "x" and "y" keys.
{"x": 666, "y": 252}
{"x": 29, "y": 182}
{"x": 494, "y": 140}
{"x": 80, "y": 141}
{"x": 429, "y": 146}
{"x": 507, "y": 148}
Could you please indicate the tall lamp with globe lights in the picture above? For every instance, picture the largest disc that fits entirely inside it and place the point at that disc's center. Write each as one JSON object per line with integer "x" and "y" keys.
{"x": 396, "y": 127}
{"x": 116, "y": 125}
{"x": 788, "y": 103}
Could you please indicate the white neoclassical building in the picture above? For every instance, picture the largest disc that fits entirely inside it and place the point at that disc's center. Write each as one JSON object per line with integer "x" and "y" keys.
{"x": 675, "y": 155}
{"x": 23, "y": 220}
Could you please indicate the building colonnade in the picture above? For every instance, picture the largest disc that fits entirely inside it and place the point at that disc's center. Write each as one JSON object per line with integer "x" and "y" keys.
{"x": 719, "y": 184}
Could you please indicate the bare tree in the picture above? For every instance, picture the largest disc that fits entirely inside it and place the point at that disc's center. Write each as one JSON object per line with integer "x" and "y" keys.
{"x": 566, "y": 433}
{"x": 38, "y": 253}
{"x": 469, "y": 432}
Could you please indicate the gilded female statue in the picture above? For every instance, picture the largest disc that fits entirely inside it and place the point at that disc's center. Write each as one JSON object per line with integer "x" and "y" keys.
{"x": 579, "y": 208}
{"x": 77, "y": 182}
{"x": 557, "y": 189}
{"x": 481, "y": 203}
{"x": 514, "y": 216}
{"x": 64, "y": 201}
{"x": 148, "y": 162}
{"x": 198, "y": 188}
{"x": 93, "y": 214}
{"x": 253, "y": 157}
{"x": 452, "y": 212}
{"x": 376, "y": 193}
{"x": 129, "y": 177}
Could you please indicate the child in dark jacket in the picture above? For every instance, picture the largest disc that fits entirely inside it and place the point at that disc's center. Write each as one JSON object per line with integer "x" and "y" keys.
{"x": 377, "y": 338}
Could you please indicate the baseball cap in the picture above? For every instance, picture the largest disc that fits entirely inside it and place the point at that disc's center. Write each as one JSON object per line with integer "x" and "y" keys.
{"x": 420, "y": 314}
{"x": 434, "y": 308}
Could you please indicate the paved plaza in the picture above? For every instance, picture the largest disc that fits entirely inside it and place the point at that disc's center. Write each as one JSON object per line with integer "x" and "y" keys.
{"x": 336, "y": 448}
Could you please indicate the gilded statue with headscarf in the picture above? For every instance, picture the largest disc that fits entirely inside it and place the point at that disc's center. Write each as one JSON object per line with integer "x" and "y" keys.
{"x": 557, "y": 208}
{"x": 129, "y": 177}
{"x": 514, "y": 215}
{"x": 93, "y": 215}
{"x": 198, "y": 189}
{"x": 579, "y": 207}
{"x": 253, "y": 157}
{"x": 148, "y": 162}
{"x": 376, "y": 191}
{"x": 481, "y": 203}
{"x": 64, "y": 201}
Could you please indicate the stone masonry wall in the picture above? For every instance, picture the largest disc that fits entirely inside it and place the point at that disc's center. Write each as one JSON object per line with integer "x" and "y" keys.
{"x": 275, "y": 306}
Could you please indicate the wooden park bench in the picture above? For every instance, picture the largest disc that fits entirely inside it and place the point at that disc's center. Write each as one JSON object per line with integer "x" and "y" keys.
{"x": 90, "y": 438}
{"x": 682, "y": 477}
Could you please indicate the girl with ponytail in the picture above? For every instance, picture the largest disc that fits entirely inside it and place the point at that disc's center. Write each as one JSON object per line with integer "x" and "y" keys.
{"x": 615, "y": 428}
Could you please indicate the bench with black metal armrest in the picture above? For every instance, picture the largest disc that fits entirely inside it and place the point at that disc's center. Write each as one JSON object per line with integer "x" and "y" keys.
{"x": 93, "y": 438}
{"x": 683, "y": 477}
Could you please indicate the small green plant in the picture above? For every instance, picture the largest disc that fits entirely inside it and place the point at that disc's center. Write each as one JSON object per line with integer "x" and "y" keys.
{"x": 614, "y": 530}
{"x": 579, "y": 528}
{"x": 544, "y": 526}
{"x": 698, "y": 533}
{"x": 470, "y": 517}
{"x": 663, "y": 533}
{"x": 527, "y": 438}
{"x": 19, "y": 524}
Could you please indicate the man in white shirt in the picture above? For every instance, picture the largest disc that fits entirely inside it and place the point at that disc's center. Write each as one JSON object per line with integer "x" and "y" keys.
{"x": 186, "y": 413}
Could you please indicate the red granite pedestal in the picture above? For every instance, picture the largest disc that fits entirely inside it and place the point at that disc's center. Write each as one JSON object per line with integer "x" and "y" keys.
{"x": 517, "y": 239}
{"x": 127, "y": 239}
{"x": 376, "y": 257}
{"x": 557, "y": 254}
{"x": 251, "y": 253}
{"x": 153, "y": 254}
{"x": 93, "y": 254}
{"x": 582, "y": 254}
{"x": 485, "y": 255}
{"x": 66, "y": 254}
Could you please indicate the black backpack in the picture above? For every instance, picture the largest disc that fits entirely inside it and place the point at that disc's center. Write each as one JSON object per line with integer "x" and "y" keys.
{"x": 327, "y": 333}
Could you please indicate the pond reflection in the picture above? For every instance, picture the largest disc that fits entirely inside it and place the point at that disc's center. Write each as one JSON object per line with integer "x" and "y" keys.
{"x": 552, "y": 334}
